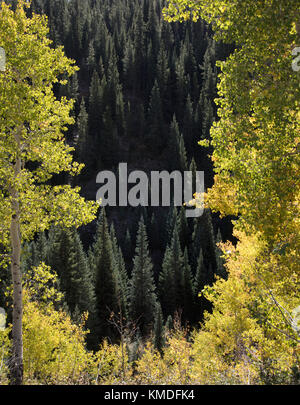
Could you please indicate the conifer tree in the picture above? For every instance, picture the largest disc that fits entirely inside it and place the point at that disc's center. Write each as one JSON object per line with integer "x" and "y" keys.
{"x": 127, "y": 246}
{"x": 173, "y": 145}
{"x": 166, "y": 285}
{"x": 122, "y": 281}
{"x": 105, "y": 278}
{"x": 35, "y": 252}
{"x": 188, "y": 127}
{"x": 169, "y": 324}
{"x": 139, "y": 53}
{"x": 143, "y": 299}
{"x": 95, "y": 107}
{"x": 162, "y": 74}
{"x": 155, "y": 120}
{"x": 188, "y": 293}
{"x": 170, "y": 223}
{"x": 182, "y": 153}
{"x": 171, "y": 277}
{"x": 66, "y": 256}
{"x": 203, "y": 238}
{"x": 183, "y": 228}
{"x": 193, "y": 170}
{"x": 177, "y": 259}
{"x": 159, "y": 338}
{"x": 90, "y": 61}
{"x": 82, "y": 136}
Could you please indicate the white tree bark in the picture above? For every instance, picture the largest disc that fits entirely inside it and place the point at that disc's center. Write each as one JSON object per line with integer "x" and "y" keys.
{"x": 16, "y": 366}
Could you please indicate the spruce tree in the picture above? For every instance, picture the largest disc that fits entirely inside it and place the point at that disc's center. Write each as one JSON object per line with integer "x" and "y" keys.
{"x": 156, "y": 136}
{"x": 171, "y": 277}
{"x": 105, "y": 278}
{"x": 159, "y": 338}
{"x": 82, "y": 138}
{"x": 127, "y": 246}
{"x": 188, "y": 126}
{"x": 188, "y": 293}
{"x": 173, "y": 146}
{"x": 169, "y": 324}
{"x": 203, "y": 238}
{"x": 183, "y": 228}
{"x": 170, "y": 223}
{"x": 66, "y": 256}
{"x": 166, "y": 284}
{"x": 143, "y": 299}
{"x": 122, "y": 281}
{"x": 95, "y": 106}
{"x": 182, "y": 153}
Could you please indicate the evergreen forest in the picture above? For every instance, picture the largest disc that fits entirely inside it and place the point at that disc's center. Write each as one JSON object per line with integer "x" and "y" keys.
{"x": 93, "y": 294}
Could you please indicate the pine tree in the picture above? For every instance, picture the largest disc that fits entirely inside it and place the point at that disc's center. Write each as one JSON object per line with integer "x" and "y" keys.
{"x": 35, "y": 252}
{"x": 173, "y": 145}
{"x": 127, "y": 246}
{"x": 170, "y": 223}
{"x": 193, "y": 170}
{"x": 188, "y": 127}
{"x": 122, "y": 281}
{"x": 178, "y": 269}
{"x": 188, "y": 296}
{"x": 156, "y": 136}
{"x": 181, "y": 86}
{"x": 162, "y": 74}
{"x": 95, "y": 106}
{"x": 159, "y": 338}
{"x": 142, "y": 288}
{"x": 203, "y": 238}
{"x": 171, "y": 277}
{"x": 82, "y": 136}
{"x": 105, "y": 278}
{"x": 90, "y": 61}
{"x": 169, "y": 324}
{"x": 139, "y": 53}
{"x": 128, "y": 66}
{"x": 183, "y": 228}
{"x": 154, "y": 233}
{"x": 166, "y": 284}
{"x": 182, "y": 154}
{"x": 66, "y": 256}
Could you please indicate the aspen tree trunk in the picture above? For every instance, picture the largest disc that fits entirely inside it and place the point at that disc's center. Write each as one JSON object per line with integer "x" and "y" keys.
{"x": 16, "y": 366}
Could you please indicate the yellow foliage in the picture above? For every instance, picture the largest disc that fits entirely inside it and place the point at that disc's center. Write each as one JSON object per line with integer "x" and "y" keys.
{"x": 110, "y": 364}
{"x": 54, "y": 348}
{"x": 177, "y": 358}
{"x": 172, "y": 367}
{"x": 247, "y": 339}
{"x": 150, "y": 368}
